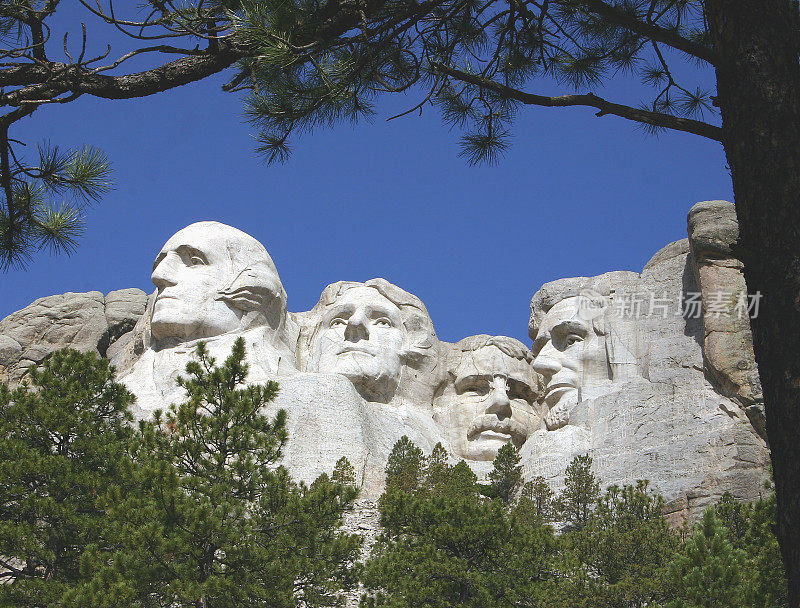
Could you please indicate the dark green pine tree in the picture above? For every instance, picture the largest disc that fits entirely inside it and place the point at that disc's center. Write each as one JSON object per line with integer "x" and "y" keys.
{"x": 581, "y": 491}
{"x": 506, "y": 475}
{"x": 751, "y": 529}
{"x": 437, "y": 472}
{"x": 63, "y": 443}
{"x": 405, "y": 468}
{"x": 709, "y": 572}
{"x": 535, "y": 503}
{"x": 766, "y": 574}
{"x": 212, "y": 522}
{"x": 344, "y": 473}
{"x": 626, "y": 546}
{"x": 446, "y": 545}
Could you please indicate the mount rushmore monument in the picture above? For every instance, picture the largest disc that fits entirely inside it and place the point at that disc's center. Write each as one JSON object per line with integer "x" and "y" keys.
{"x": 650, "y": 373}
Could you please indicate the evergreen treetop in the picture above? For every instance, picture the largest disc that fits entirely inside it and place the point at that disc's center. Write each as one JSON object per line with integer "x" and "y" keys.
{"x": 64, "y": 442}
{"x": 506, "y": 474}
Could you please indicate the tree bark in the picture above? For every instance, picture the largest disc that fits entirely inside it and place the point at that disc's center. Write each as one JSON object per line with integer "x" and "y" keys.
{"x": 758, "y": 83}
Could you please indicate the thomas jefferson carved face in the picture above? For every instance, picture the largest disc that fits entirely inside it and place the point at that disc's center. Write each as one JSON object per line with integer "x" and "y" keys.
{"x": 211, "y": 279}
{"x": 361, "y": 337}
{"x": 490, "y": 402}
{"x": 570, "y": 352}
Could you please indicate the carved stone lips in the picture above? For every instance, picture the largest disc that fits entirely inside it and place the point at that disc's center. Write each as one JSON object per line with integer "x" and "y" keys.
{"x": 559, "y": 388}
{"x": 356, "y": 349}
{"x": 554, "y": 393}
{"x": 490, "y": 422}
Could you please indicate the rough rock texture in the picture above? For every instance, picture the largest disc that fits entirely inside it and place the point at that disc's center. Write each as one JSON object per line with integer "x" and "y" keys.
{"x": 727, "y": 342}
{"x": 328, "y": 419}
{"x": 667, "y": 252}
{"x": 692, "y": 444}
{"x": 83, "y": 321}
{"x": 644, "y": 371}
{"x": 671, "y": 424}
{"x": 362, "y": 519}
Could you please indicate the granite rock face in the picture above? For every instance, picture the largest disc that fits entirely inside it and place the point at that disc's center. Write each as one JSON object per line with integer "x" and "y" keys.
{"x": 661, "y": 417}
{"x": 83, "y": 321}
{"x": 645, "y": 371}
{"x": 727, "y": 342}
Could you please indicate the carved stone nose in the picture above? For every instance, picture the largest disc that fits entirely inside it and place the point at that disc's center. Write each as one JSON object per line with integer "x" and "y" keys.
{"x": 546, "y": 362}
{"x": 162, "y": 274}
{"x": 356, "y": 328}
{"x": 499, "y": 403}
{"x": 547, "y": 366}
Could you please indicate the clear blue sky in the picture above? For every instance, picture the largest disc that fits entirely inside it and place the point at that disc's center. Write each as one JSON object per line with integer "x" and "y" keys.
{"x": 575, "y": 195}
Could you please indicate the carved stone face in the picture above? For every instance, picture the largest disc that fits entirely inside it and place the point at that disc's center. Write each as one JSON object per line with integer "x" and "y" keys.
{"x": 489, "y": 404}
{"x": 569, "y": 352}
{"x": 361, "y": 337}
{"x": 192, "y": 270}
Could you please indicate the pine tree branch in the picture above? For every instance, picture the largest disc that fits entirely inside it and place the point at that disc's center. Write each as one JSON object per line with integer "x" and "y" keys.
{"x": 651, "y": 31}
{"x": 43, "y": 81}
{"x": 173, "y": 74}
{"x": 337, "y": 17}
{"x": 46, "y": 83}
{"x": 657, "y": 119}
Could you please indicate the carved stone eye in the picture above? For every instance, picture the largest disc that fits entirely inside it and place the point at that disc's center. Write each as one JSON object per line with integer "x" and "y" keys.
{"x": 480, "y": 387}
{"x": 196, "y": 260}
{"x": 383, "y": 321}
{"x": 338, "y": 322}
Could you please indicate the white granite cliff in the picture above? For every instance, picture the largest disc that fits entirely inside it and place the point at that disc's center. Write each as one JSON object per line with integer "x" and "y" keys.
{"x": 650, "y": 373}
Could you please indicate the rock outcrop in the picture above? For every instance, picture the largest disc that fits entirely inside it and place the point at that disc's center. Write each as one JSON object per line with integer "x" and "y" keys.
{"x": 727, "y": 341}
{"x": 83, "y": 321}
{"x": 651, "y": 372}
{"x": 645, "y": 404}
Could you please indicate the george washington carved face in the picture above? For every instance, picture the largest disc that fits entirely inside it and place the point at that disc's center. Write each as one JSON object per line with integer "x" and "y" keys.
{"x": 213, "y": 279}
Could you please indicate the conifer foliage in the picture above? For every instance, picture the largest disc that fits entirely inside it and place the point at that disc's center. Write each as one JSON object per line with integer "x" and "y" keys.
{"x": 213, "y": 522}
{"x": 190, "y": 509}
{"x": 446, "y": 544}
{"x": 581, "y": 491}
{"x": 474, "y": 61}
{"x": 708, "y": 573}
{"x": 749, "y": 530}
{"x": 44, "y": 190}
{"x": 506, "y": 474}
{"x": 618, "y": 555}
{"x": 63, "y": 443}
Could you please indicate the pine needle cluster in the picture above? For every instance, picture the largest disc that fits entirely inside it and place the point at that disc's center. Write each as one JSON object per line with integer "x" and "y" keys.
{"x": 314, "y": 65}
{"x": 42, "y": 203}
{"x": 190, "y": 509}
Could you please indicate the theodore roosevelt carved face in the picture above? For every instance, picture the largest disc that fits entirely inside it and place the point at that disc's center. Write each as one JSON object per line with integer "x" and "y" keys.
{"x": 490, "y": 397}
{"x": 213, "y": 279}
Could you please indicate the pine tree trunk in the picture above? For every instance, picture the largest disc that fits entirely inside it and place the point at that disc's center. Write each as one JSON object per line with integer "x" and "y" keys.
{"x": 758, "y": 79}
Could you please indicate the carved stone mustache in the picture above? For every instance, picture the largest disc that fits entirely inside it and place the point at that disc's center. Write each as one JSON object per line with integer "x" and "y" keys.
{"x": 490, "y": 422}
